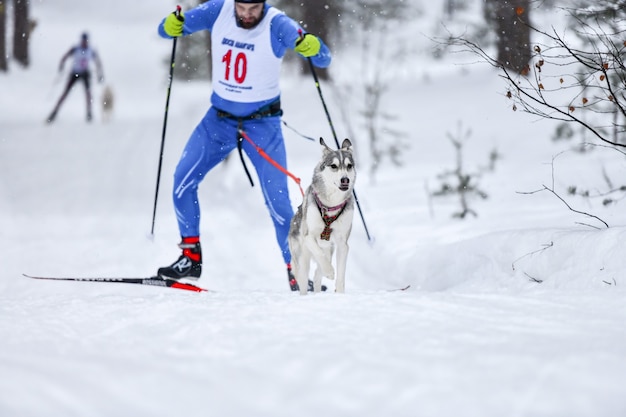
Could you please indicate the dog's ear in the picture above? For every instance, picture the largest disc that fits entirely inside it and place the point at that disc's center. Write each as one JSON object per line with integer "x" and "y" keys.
{"x": 346, "y": 144}
{"x": 324, "y": 145}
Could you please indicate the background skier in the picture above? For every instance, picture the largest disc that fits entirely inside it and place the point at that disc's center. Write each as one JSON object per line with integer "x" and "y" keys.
{"x": 82, "y": 54}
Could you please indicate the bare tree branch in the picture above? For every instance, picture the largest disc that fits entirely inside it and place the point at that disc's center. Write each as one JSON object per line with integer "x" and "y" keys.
{"x": 594, "y": 78}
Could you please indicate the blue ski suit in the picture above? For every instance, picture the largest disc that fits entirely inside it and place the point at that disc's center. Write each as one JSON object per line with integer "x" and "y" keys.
{"x": 217, "y": 133}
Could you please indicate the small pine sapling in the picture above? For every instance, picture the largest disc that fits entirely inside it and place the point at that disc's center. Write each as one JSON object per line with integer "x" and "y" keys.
{"x": 460, "y": 182}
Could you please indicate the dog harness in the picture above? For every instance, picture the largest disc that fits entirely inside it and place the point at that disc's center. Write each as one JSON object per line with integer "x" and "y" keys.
{"x": 328, "y": 220}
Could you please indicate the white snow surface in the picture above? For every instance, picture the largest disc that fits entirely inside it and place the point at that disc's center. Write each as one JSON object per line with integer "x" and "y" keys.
{"x": 475, "y": 335}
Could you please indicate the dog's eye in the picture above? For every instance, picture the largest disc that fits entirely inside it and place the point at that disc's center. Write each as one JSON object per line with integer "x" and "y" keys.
{"x": 349, "y": 167}
{"x": 334, "y": 166}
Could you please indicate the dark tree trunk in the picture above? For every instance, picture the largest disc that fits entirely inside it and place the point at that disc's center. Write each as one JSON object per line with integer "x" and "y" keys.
{"x": 21, "y": 31}
{"x": 510, "y": 22}
{"x": 3, "y": 47}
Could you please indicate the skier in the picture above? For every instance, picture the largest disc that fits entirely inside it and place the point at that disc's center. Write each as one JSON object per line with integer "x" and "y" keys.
{"x": 249, "y": 39}
{"x": 81, "y": 54}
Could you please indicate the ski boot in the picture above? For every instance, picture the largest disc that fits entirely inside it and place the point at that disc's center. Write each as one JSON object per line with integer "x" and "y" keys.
{"x": 293, "y": 283}
{"x": 188, "y": 265}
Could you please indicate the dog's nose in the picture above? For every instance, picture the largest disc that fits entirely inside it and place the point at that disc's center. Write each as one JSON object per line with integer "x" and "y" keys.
{"x": 344, "y": 184}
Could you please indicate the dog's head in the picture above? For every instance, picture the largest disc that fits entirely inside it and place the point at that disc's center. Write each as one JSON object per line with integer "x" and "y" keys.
{"x": 337, "y": 166}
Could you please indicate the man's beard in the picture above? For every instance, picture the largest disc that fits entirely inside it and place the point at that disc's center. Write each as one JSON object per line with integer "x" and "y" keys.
{"x": 248, "y": 25}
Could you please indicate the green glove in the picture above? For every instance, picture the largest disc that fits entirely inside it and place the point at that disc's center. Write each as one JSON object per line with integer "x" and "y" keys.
{"x": 308, "y": 45}
{"x": 173, "y": 24}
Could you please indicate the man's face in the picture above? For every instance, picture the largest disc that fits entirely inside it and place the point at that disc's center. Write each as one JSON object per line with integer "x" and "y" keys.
{"x": 248, "y": 14}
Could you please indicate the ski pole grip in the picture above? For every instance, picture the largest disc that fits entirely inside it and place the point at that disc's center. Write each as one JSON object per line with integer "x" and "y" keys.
{"x": 178, "y": 11}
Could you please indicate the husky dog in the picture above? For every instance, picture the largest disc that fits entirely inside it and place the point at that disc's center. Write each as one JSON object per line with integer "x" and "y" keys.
{"x": 107, "y": 103}
{"x": 324, "y": 220}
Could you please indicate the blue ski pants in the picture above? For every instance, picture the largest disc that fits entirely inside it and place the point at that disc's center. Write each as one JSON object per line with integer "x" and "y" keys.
{"x": 209, "y": 144}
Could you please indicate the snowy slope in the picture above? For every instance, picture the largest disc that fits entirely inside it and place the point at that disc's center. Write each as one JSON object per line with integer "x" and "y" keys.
{"x": 475, "y": 335}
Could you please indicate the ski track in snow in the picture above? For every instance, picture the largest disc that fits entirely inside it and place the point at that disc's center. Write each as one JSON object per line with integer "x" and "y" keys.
{"x": 369, "y": 352}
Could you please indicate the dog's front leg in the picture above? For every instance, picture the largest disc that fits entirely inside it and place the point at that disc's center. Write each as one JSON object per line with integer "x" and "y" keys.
{"x": 342, "y": 257}
{"x": 302, "y": 270}
{"x": 317, "y": 280}
{"x": 322, "y": 257}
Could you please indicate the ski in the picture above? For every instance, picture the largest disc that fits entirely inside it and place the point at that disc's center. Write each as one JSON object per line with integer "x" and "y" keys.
{"x": 153, "y": 281}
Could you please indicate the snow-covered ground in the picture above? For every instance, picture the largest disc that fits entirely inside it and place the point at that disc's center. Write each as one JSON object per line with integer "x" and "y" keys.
{"x": 475, "y": 335}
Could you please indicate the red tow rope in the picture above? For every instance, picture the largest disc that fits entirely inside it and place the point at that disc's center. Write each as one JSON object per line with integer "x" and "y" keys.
{"x": 270, "y": 160}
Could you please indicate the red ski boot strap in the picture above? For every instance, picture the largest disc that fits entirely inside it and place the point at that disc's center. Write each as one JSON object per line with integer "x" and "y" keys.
{"x": 191, "y": 248}
{"x": 189, "y": 241}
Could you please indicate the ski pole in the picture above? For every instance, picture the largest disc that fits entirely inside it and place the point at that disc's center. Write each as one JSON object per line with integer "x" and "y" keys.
{"x": 332, "y": 128}
{"x": 167, "y": 105}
